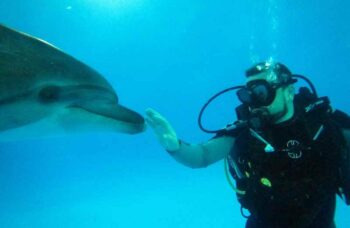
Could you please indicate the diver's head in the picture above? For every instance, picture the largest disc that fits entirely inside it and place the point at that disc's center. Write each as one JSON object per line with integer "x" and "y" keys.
{"x": 269, "y": 89}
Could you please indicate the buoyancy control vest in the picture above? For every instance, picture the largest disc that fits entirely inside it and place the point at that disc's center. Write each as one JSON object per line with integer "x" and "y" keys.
{"x": 309, "y": 162}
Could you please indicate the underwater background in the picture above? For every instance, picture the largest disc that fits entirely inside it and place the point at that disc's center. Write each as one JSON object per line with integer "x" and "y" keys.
{"x": 171, "y": 55}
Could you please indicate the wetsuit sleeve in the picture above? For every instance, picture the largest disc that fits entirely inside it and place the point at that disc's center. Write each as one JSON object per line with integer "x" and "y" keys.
{"x": 203, "y": 154}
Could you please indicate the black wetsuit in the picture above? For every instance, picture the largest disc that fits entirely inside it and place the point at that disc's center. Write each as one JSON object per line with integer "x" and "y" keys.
{"x": 296, "y": 185}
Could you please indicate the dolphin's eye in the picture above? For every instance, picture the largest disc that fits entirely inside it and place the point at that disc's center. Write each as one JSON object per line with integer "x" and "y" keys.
{"x": 49, "y": 94}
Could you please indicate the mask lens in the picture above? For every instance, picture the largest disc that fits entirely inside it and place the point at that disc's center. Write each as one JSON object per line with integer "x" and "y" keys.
{"x": 261, "y": 93}
{"x": 257, "y": 93}
{"x": 245, "y": 96}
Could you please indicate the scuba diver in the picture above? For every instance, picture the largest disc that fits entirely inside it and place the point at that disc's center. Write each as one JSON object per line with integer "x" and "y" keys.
{"x": 288, "y": 152}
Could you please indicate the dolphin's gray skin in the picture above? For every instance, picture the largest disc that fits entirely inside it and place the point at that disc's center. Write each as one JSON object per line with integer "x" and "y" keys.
{"x": 39, "y": 84}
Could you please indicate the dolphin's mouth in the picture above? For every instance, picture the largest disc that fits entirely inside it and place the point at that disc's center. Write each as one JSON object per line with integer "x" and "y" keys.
{"x": 109, "y": 116}
{"x": 104, "y": 106}
{"x": 88, "y": 107}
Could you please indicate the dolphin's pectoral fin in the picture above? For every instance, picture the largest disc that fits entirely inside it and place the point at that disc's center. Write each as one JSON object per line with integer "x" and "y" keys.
{"x": 122, "y": 118}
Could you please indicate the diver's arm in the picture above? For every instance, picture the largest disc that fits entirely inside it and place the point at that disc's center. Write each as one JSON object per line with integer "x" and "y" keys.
{"x": 191, "y": 155}
{"x": 203, "y": 154}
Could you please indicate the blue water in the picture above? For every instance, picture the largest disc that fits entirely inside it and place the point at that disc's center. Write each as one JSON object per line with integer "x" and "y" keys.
{"x": 171, "y": 55}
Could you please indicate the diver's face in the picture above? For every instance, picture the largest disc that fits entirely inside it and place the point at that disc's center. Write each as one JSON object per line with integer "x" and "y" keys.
{"x": 277, "y": 105}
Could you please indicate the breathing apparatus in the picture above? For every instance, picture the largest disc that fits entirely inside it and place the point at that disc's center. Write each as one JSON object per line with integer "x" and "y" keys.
{"x": 258, "y": 93}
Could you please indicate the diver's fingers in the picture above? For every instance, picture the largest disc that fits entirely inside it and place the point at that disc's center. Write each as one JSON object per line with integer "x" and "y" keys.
{"x": 158, "y": 126}
{"x": 163, "y": 130}
{"x": 153, "y": 113}
{"x": 154, "y": 118}
{"x": 150, "y": 122}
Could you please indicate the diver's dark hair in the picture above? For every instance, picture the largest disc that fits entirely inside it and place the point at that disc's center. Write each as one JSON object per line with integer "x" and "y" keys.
{"x": 283, "y": 74}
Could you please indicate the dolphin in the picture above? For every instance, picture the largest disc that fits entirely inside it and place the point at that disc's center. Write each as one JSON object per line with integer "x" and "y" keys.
{"x": 44, "y": 91}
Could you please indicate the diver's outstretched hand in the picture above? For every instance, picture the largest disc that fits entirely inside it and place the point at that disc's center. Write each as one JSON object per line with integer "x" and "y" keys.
{"x": 163, "y": 130}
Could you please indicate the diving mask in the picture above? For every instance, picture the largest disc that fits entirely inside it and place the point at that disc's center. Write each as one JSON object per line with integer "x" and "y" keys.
{"x": 258, "y": 93}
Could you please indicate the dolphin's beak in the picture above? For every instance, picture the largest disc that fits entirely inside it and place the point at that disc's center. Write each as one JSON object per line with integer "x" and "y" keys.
{"x": 116, "y": 117}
